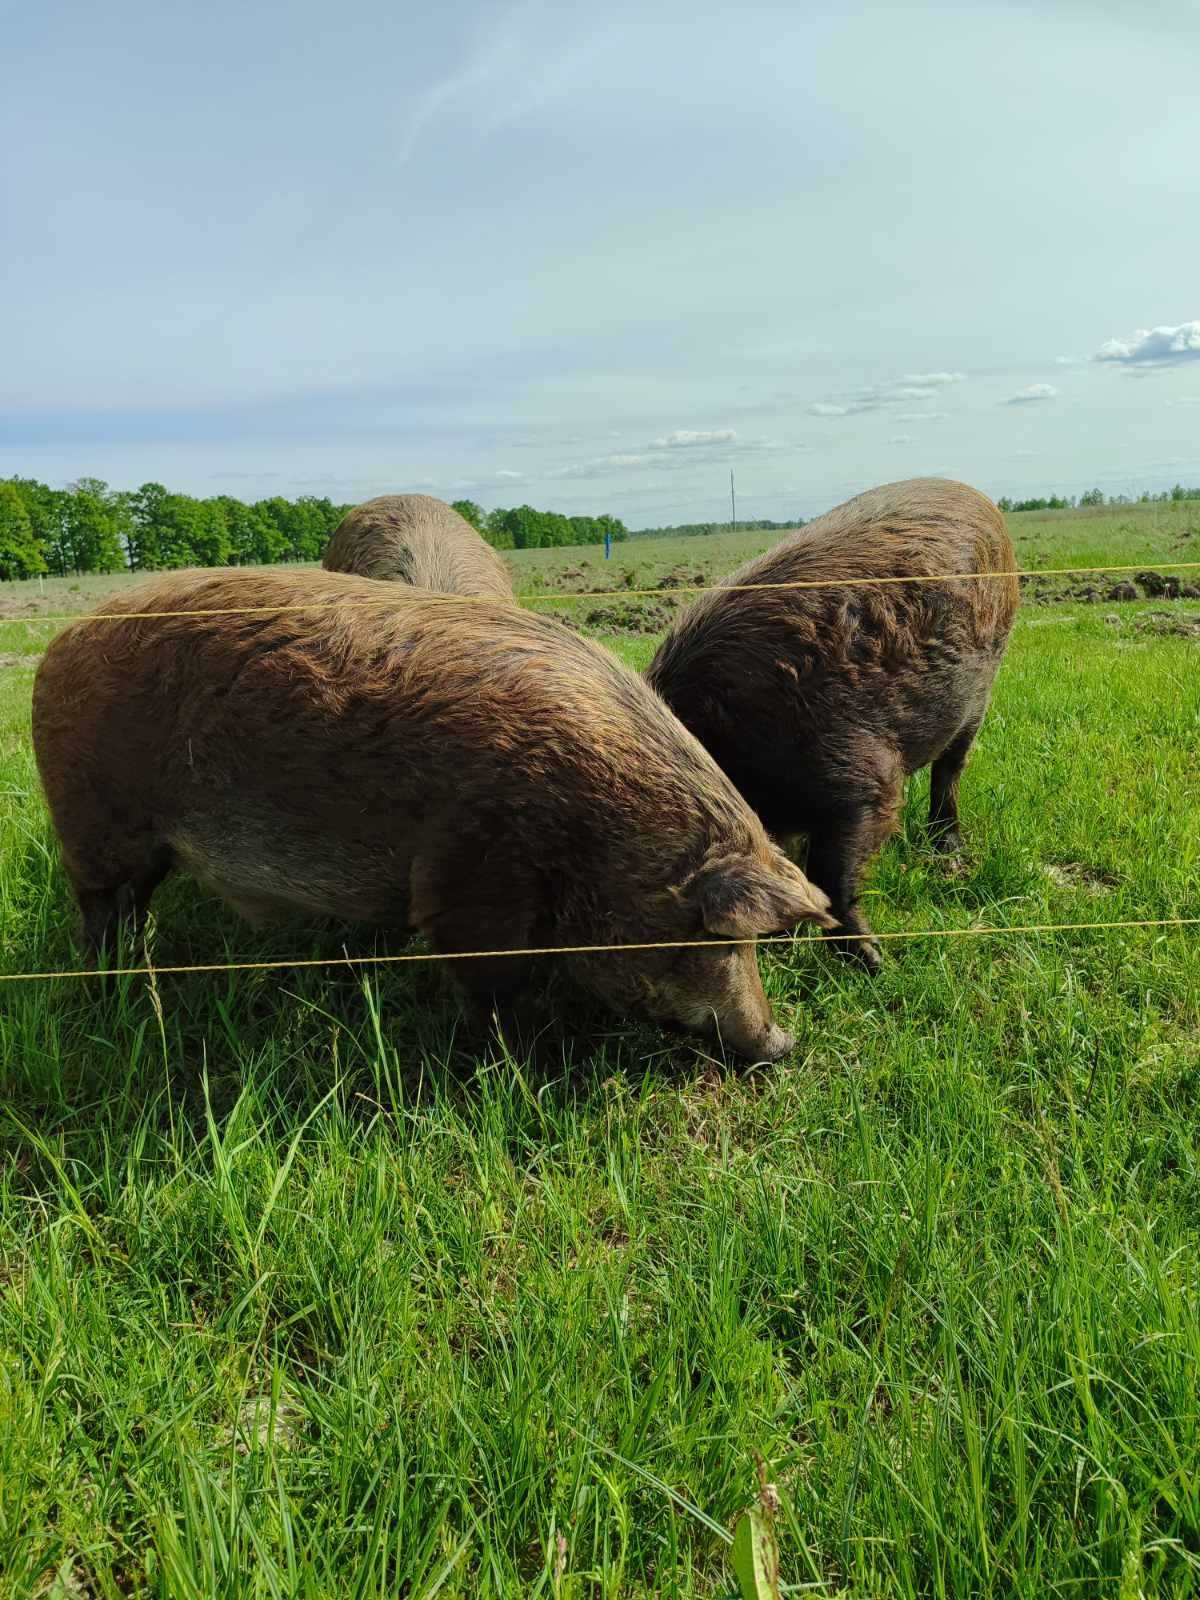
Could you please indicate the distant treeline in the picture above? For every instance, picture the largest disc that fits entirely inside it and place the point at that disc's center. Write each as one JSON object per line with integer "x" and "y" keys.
{"x": 1096, "y": 497}
{"x": 89, "y": 527}
{"x": 684, "y": 530}
{"x": 523, "y": 528}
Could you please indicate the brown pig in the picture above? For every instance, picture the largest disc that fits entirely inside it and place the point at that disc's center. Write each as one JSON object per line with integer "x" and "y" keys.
{"x": 819, "y": 702}
{"x": 389, "y": 756}
{"x": 413, "y": 538}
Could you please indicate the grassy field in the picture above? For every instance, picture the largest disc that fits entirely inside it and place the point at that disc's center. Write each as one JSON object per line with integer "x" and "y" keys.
{"x": 296, "y": 1299}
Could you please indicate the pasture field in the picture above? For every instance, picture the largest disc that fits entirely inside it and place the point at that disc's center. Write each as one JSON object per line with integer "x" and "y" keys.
{"x": 297, "y": 1299}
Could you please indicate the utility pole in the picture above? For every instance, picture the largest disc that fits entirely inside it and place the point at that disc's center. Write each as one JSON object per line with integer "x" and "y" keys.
{"x": 732, "y": 505}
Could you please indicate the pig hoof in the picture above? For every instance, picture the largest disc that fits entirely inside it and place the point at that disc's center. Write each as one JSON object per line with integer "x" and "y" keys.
{"x": 865, "y": 952}
{"x": 946, "y": 841}
{"x": 954, "y": 866}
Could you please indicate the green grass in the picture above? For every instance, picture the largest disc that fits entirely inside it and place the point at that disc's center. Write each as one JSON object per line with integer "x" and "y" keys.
{"x": 296, "y": 1299}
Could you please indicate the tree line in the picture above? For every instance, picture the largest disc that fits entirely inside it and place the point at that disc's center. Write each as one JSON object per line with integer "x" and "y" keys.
{"x": 1097, "y": 497}
{"x": 684, "y": 530}
{"x": 88, "y": 527}
{"x": 523, "y": 528}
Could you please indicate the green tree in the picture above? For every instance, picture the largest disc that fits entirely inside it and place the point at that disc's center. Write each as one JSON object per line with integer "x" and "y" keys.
{"x": 147, "y": 529}
{"x": 497, "y": 530}
{"x": 181, "y": 531}
{"x": 91, "y": 538}
{"x": 45, "y": 508}
{"x": 20, "y": 551}
{"x": 472, "y": 513}
{"x": 311, "y": 521}
{"x": 211, "y": 541}
{"x": 278, "y": 511}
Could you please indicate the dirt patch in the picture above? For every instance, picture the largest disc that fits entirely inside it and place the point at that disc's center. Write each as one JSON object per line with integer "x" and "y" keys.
{"x": 683, "y": 578}
{"x": 9, "y": 659}
{"x": 631, "y": 616}
{"x": 1169, "y": 624}
{"x": 1078, "y": 875}
{"x": 258, "y": 1425}
{"x": 67, "y": 1582}
{"x": 1148, "y": 585}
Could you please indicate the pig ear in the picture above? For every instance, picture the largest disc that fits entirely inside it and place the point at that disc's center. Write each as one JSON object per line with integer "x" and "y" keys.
{"x": 741, "y": 898}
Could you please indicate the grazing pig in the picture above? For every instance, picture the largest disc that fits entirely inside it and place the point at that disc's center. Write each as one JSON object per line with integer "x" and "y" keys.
{"x": 393, "y": 757}
{"x": 819, "y": 702}
{"x": 413, "y": 538}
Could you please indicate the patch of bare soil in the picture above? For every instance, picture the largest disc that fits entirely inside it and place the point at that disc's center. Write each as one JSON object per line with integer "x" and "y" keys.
{"x": 9, "y": 659}
{"x": 630, "y": 616}
{"x": 1078, "y": 875}
{"x": 1144, "y": 585}
{"x": 1170, "y": 624}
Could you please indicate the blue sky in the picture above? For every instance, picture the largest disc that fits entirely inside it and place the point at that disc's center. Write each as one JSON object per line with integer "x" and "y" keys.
{"x": 594, "y": 257}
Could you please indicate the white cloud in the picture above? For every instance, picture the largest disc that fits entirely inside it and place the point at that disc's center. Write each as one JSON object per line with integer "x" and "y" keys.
{"x": 900, "y": 438}
{"x": 690, "y": 439}
{"x": 1035, "y": 391}
{"x": 933, "y": 379}
{"x": 919, "y": 416}
{"x": 852, "y": 408}
{"x": 913, "y": 386}
{"x": 602, "y": 466}
{"x": 1161, "y": 346}
{"x": 1186, "y": 400}
{"x": 504, "y": 479}
{"x": 1068, "y": 361}
{"x": 682, "y": 448}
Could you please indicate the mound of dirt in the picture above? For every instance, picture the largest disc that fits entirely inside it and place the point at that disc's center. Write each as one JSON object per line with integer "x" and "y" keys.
{"x": 1153, "y": 586}
{"x": 1169, "y": 624}
{"x": 634, "y": 616}
{"x": 1078, "y": 875}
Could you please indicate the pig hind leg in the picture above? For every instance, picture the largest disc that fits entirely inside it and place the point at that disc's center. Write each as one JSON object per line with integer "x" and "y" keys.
{"x": 944, "y": 833}
{"x": 841, "y": 847}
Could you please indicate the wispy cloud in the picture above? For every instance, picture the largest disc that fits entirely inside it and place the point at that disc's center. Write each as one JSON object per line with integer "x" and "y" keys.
{"x": 504, "y": 479}
{"x": 934, "y": 379}
{"x": 689, "y": 439}
{"x": 1160, "y": 347}
{"x": 682, "y": 448}
{"x": 913, "y": 386}
{"x": 1035, "y": 391}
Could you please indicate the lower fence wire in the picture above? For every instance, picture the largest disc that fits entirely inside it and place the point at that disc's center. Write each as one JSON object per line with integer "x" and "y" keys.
{"x": 407, "y": 956}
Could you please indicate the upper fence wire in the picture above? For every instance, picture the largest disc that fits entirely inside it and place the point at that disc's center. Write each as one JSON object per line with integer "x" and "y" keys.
{"x": 567, "y": 596}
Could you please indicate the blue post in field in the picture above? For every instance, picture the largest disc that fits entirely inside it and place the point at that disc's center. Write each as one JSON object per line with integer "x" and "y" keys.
{"x": 607, "y": 544}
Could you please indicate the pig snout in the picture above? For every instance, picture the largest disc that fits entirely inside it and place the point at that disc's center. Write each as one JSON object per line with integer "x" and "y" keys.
{"x": 749, "y": 1038}
{"x": 777, "y": 1043}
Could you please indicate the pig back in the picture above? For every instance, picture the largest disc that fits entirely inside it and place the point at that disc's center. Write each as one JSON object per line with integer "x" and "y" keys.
{"x": 419, "y": 540}
{"x": 822, "y": 619}
{"x": 337, "y": 730}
